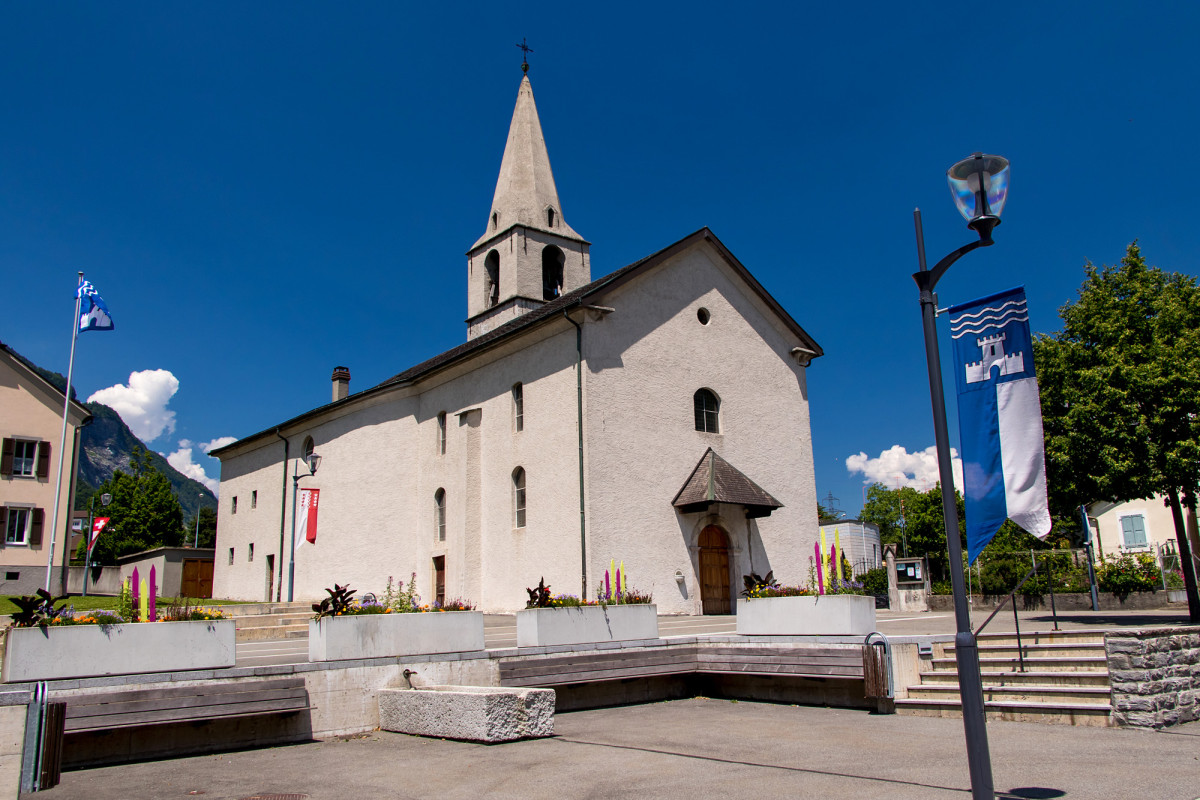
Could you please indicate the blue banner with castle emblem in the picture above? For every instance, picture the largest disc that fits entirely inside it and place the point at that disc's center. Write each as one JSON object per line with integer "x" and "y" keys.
{"x": 999, "y": 418}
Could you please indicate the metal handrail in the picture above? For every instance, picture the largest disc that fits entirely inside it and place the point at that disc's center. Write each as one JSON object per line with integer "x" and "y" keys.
{"x": 887, "y": 654}
{"x": 1016, "y": 619}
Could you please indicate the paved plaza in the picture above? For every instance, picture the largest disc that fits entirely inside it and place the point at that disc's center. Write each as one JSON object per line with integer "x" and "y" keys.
{"x": 697, "y": 748}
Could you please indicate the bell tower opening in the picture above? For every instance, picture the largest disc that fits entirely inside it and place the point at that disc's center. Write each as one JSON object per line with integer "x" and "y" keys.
{"x": 491, "y": 279}
{"x": 552, "y": 271}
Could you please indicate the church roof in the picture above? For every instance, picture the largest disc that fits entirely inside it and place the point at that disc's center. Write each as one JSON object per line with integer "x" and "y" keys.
{"x": 715, "y": 480}
{"x": 545, "y": 314}
{"x": 525, "y": 188}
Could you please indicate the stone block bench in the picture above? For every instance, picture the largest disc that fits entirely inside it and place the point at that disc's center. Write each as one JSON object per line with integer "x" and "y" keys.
{"x": 470, "y": 713}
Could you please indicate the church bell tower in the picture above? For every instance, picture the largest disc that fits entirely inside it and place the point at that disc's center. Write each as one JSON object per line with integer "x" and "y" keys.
{"x": 528, "y": 254}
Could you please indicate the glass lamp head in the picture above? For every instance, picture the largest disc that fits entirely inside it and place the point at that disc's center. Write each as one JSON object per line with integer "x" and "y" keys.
{"x": 314, "y": 461}
{"x": 980, "y": 187}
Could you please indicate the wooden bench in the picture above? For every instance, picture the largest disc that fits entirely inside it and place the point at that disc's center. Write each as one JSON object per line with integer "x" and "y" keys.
{"x": 168, "y": 704}
{"x": 801, "y": 661}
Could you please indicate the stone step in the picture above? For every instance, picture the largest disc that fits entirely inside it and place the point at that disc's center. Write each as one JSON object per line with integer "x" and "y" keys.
{"x": 1060, "y": 649}
{"x": 256, "y": 609}
{"x": 268, "y": 620}
{"x": 1036, "y": 677}
{"x": 1047, "y": 695}
{"x": 1088, "y": 714}
{"x": 1038, "y": 663}
{"x": 271, "y": 632}
{"x": 1042, "y": 637}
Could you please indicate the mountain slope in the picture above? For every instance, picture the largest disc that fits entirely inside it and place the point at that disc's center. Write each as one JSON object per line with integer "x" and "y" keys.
{"x": 108, "y": 445}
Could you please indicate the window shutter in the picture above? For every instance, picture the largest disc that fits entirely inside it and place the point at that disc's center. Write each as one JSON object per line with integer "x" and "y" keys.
{"x": 35, "y": 529}
{"x": 3, "y": 525}
{"x": 1134, "y": 529}
{"x": 43, "y": 464}
{"x": 7, "y": 457}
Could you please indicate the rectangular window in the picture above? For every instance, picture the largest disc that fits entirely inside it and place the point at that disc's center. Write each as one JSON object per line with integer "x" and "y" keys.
{"x": 16, "y": 530}
{"x": 24, "y": 458}
{"x": 250, "y": 557}
{"x": 12, "y": 576}
{"x": 231, "y": 555}
{"x": 233, "y": 508}
{"x": 1133, "y": 530}
{"x": 518, "y": 399}
{"x": 254, "y": 499}
{"x": 519, "y": 498}
{"x": 441, "y": 433}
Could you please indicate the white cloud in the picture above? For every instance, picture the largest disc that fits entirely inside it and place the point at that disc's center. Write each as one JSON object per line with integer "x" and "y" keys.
{"x": 142, "y": 403}
{"x": 896, "y": 467}
{"x": 220, "y": 441}
{"x": 181, "y": 460}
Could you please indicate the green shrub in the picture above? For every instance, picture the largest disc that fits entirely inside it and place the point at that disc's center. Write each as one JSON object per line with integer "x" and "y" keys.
{"x": 874, "y": 581}
{"x": 1129, "y": 573}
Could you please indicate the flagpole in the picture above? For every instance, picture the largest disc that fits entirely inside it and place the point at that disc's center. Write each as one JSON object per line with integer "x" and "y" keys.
{"x": 62, "y": 442}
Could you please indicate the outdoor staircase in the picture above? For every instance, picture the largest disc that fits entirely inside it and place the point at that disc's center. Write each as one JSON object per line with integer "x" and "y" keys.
{"x": 259, "y": 622}
{"x": 1064, "y": 680}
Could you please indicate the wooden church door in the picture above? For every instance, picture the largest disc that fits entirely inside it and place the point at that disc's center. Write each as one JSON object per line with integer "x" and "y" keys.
{"x": 714, "y": 571}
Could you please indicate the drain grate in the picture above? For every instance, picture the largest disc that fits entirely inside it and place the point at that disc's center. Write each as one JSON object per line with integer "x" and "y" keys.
{"x": 276, "y": 797}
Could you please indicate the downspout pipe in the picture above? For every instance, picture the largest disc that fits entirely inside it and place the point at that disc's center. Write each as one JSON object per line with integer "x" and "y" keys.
{"x": 579, "y": 427}
{"x": 282, "y": 514}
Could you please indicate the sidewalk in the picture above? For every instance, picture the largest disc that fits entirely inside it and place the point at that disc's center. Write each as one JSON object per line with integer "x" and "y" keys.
{"x": 698, "y": 748}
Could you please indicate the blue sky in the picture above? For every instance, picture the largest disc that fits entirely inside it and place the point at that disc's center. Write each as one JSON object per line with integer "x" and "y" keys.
{"x": 262, "y": 191}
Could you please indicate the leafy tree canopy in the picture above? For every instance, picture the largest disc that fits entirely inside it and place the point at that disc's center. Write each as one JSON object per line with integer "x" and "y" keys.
{"x": 1120, "y": 387}
{"x": 143, "y": 513}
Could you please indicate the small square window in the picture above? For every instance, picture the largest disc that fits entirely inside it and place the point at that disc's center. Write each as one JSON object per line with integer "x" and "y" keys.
{"x": 254, "y": 499}
{"x": 12, "y": 576}
{"x": 16, "y": 529}
{"x": 24, "y": 458}
{"x": 250, "y": 557}
{"x": 231, "y": 555}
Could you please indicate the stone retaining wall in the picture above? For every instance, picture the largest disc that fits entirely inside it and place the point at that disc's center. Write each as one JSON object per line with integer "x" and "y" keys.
{"x": 1135, "y": 601}
{"x": 1155, "y": 676}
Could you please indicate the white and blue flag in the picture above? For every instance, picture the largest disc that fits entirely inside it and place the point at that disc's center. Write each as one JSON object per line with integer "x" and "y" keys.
{"x": 93, "y": 313}
{"x": 999, "y": 418}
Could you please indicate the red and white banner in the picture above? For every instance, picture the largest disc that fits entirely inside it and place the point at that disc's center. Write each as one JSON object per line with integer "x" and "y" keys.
{"x": 306, "y": 518}
{"x": 97, "y": 526}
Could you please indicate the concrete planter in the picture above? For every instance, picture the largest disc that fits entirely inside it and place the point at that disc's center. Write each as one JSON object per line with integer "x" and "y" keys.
{"x": 1176, "y": 595}
{"x": 81, "y": 651}
{"x": 809, "y": 615}
{"x": 470, "y": 713}
{"x": 385, "y": 635}
{"x": 543, "y": 627}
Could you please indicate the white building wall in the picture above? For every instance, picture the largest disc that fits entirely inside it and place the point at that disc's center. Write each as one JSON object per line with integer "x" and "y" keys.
{"x": 860, "y": 542}
{"x": 644, "y": 363}
{"x": 1156, "y": 516}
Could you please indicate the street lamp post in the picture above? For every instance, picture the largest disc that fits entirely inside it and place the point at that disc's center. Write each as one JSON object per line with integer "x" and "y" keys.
{"x": 980, "y": 187}
{"x": 313, "y": 461}
{"x": 196, "y": 538}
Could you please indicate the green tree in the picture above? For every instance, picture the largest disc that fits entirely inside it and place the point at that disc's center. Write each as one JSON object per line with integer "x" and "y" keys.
{"x": 143, "y": 513}
{"x": 1120, "y": 389}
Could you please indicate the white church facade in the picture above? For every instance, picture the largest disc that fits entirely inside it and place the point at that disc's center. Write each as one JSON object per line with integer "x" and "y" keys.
{"x": 657, "y": 416}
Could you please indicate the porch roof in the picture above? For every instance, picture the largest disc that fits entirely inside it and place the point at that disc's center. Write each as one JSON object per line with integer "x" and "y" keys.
{"x": 715, "y": 480}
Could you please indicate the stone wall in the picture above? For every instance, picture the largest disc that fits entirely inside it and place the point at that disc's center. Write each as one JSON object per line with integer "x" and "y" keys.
{"x": 1073, "y": 601}
{"x": 1155, "y": 676}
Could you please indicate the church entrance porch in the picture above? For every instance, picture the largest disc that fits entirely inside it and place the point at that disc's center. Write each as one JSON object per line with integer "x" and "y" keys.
{"x": 714, "y": 571}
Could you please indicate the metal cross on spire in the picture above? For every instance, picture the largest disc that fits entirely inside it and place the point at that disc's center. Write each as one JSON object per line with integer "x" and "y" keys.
{"x": 525, "y": 50}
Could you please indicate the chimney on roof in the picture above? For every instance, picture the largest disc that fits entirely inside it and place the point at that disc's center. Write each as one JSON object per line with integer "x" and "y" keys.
{"x": 341, "y": 383}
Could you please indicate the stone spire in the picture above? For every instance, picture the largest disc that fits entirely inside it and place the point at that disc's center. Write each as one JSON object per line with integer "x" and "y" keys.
{"x": 525, "y": 191}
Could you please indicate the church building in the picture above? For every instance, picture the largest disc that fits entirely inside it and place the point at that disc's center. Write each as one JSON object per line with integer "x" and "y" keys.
{"x": 657, "y": 416}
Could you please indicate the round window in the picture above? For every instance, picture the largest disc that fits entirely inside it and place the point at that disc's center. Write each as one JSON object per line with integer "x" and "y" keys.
{"x": 703, "y": 316}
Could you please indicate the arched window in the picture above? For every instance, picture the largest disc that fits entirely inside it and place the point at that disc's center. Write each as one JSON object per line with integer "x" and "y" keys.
{"x": 308, "y": 447}
{"x": 518, "y": 481}
{"x": 439, "y": 514}
{"x": 441, "y": 433}
{"x": 550, "y": 217}
{"x": 707, "y": 411}
{"x": 491, "y": 280}
{"x": 518, "y": 401}
{"x": 552, "y": 272}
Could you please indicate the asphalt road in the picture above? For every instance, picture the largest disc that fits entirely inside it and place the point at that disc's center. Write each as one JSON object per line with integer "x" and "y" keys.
{"x": 695, "y": 749}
